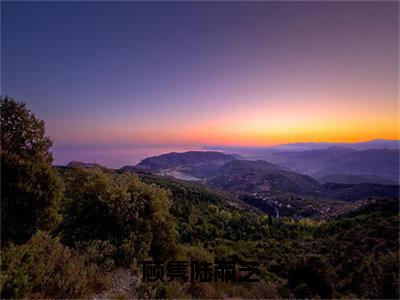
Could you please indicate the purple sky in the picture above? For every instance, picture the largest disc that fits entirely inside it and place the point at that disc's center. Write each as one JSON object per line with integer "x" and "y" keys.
{"x": 103, "y": 74}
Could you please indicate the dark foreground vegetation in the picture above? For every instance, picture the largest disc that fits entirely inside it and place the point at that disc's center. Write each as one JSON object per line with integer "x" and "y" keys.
{"x": 65, "y": 230}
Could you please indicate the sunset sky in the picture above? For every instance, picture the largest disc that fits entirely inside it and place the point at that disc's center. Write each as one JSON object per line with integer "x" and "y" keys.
{"x": 195, "y": 73}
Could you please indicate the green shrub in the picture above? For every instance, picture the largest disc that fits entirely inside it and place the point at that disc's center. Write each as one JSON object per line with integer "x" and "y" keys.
{"x": 312, "y": 275}
{"x": 193, "y": 252}
{"x": 378, "y": 277}
{"x": 133, "y": 216}
{"x": 44, "y": 268}
{"x": 98, "y": 252}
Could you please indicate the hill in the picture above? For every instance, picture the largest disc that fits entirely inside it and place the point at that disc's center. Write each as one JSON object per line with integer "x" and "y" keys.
{"x": 275, "y": 182}
{"x": 354, "y": 253}
{"x": 355, "y": 179}
{"x": 338, "y": 160}
{"x": 191, "y": 165}
{"x": 261, "y": 176}
{"x": 352, "y": 192}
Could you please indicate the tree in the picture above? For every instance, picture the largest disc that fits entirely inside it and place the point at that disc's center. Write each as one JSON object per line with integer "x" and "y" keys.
{"x": 30, "y": 187}
{"x": 132, "y": 215}
{"x": 22, "y": 134}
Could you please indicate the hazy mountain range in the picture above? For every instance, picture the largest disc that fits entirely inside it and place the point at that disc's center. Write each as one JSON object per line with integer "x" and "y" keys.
{"x": 371, "y": 165}
{"x": 374, "y": 144}
{"x": 305, "y": 146}
{"x": 374, "y": 161}
{"x": 337, "y": 171}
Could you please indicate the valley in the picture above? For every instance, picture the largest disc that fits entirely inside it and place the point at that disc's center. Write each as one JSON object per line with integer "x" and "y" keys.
{"x": 279, "y": 189}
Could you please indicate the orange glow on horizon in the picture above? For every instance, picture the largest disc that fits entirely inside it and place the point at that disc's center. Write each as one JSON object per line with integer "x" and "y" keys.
{"x": 256, "y": 131}
{"x": 264, "y": 123}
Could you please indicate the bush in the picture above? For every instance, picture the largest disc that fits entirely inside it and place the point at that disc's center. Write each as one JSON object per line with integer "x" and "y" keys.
{"x": 312, "y": 275}
{"x": 133, "y": 216}
{"x": 302, "y": 291}
{"x": 44, "y": 268}
{"x": 98, "y": 252}
{"x": 378, "y": 277}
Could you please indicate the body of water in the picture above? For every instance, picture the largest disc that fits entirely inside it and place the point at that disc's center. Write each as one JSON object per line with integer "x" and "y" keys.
{"x": 113, "y": 156}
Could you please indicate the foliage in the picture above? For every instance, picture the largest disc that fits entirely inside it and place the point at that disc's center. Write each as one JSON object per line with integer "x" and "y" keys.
{"x": 30, "y": 187}
{"x": 311, "y": 276}
{"x": 22, "y": 134}
{"x": 353, "y": 255}
{"x": 364, "y": 248}
{"x": 131, "y": 215}
{"x": 97, "y": 252}
{"x": 44, "y": 268}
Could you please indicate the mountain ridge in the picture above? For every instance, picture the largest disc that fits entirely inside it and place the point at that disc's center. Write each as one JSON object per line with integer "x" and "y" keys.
{"x": 262, "y": 176}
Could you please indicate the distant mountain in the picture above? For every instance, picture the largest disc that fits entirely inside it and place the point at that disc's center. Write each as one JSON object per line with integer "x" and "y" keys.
{"x": 373, "y": 144}
{"x": 83, "y": 164}
{"x": 227, "y": 171}
{"x": 261, "y": 176}
{"x": 303, "y": 147}
{"x": 253, "y": 152}
{"x": 355, "y": 179}
{"x": 353, "y": 192}
{"x": 339, "y": 160}
{"x": 191, "y": 165}
{"x": 347, "y": 174}
{"x": 376, "y": 144}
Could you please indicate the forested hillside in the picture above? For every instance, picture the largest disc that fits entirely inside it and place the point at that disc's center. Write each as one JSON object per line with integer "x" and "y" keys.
{"x": 67, "y": 231}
